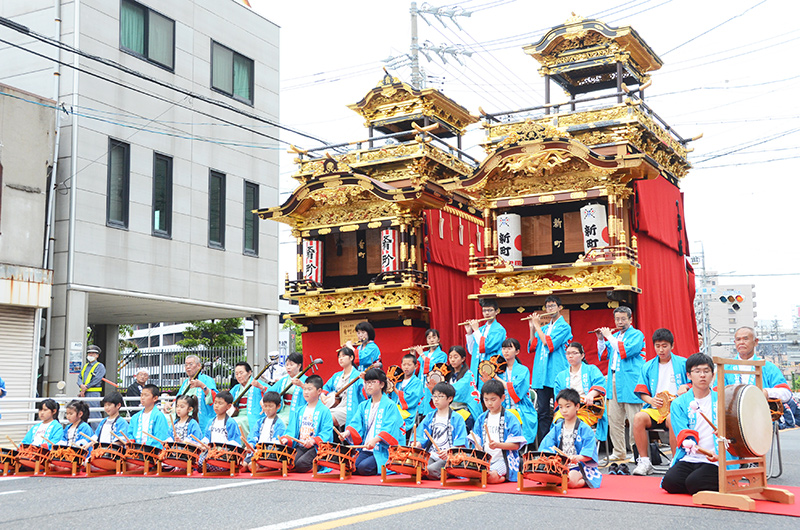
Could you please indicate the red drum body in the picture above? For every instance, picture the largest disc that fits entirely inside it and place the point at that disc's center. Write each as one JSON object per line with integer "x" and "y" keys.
{"x": 464, "y": 462}
{"x": 106, "y": 456}
{"x": 547, "y": 468}
{"x": 272, "y": 456}
{"x": 333, "y": 454}
{"x": 223, "y": 455}
{"x": 30, "y": 455}
{"x": 178, "y": 454}
{"x": 138, "y": 454}
{"x": 63, "y": 458}
{"x": 407, "y": 460}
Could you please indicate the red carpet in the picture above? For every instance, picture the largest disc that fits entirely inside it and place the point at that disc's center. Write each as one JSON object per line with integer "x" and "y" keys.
{"x": 615, "y": 488}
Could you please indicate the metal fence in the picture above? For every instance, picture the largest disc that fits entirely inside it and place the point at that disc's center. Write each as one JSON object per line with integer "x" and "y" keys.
{"x": 166, "y": 366}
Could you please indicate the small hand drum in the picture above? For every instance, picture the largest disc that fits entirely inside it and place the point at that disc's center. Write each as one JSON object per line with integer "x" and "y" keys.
{"x": 775, "y": 408}
{"x": 439, "y": 372}
{"x": 547, "y": 468}
{"x": 407, "y": 460}
{"x": 332, "y": 454}
{"x": 8, "y": 459}
{"x": 106, "y": 456}
{"x": 223, "y": 455}
{"x": 465, "y": 462}
{"x": 138, "y": 454}
{"x": 494, "y": 365}
{"x": 272, "y": 456}
{"x": 591, "y": 414}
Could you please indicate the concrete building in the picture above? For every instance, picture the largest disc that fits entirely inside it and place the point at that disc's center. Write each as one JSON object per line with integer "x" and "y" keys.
{"x": 730, "y": 306}
{"x": 161, "y": 160}
{"x": 27, "y": 133}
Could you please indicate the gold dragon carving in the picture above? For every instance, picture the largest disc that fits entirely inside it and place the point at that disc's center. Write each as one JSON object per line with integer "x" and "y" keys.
{"x": 361, "y": 300}
{"x": 533, "y": 281}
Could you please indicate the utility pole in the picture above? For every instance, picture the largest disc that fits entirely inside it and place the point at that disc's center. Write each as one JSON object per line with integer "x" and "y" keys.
{"x": 416, "y": 77}
{"x": 700, "y": 259}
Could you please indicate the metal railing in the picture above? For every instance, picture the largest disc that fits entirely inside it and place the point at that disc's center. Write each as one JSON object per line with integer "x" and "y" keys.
{"x": 166, "y": 366}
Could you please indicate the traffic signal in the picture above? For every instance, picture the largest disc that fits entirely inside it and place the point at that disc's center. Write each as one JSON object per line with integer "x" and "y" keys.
{"x": 734, "y": 299}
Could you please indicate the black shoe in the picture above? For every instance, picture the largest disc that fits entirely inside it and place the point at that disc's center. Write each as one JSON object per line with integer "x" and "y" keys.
{"x": 623, "y": 470}
{"x": 614, "y": 469}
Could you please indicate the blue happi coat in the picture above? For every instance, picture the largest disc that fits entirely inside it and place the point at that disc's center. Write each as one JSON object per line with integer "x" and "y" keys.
{"x": 648, "y": 378}
{"x": 517, "y": 383}
{"x": 118, "y": 427}
{"x": 54, "y": 433}
{"x": 389, "y": 427}
{"x": 158, "y": 427}
{"x": 366, "y": 355}
{"x": 355, "y": 394}
{"x": 231, "y": 430}
{"x": 511, "y": 432}
{"x": 253, "y": 396}
{"x": 205, "y": 412}
{"x": 322, "y": 424}
{"x": 770, "y": 374}
{"x": 456, "y": 430}
{"x": 428, "y": 358}
{"x": 591, "y": 379}
{"x": 551, "y": 357}
{"x": 293, "y": 397}
{"x": 277, "y": 430}
{"x": 484, "y": 343}
{"x": 627, "y": 353}
{"x": 585, "y": 445}
{"x": 72, "y": 435}
{"x": 408, "y": 394}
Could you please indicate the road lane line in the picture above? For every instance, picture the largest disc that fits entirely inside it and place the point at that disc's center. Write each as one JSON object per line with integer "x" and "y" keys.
{"x": 221, "y": 487}
{"x": 10, "y": 492}
{"x": 3, "y": 479}
{"x": 439, "y": 495}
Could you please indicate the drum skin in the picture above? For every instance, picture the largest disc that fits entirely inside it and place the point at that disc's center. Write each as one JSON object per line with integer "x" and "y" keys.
{"x": 464, "y": 462}
{"x": 748, "y": 423}
{"x": 331, "y": 454}
{"x": 404, "y": 459}
{"x": 106, "y": 456}
{"x": 272, "y": 456}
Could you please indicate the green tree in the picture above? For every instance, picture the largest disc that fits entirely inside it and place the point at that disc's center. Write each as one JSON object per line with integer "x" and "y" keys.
{"x": 298, "y": 332}
{"x": 213, "y": 333}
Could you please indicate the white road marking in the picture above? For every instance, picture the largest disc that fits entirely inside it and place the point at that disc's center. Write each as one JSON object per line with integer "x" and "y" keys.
{"x": 358, "y": 510}
{"x": 221, "y": 487}
{"x": 10, "y": 492}
{"x": 2, "y": 479}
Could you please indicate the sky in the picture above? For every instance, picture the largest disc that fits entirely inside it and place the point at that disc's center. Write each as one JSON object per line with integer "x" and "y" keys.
{"x": 725, "y": 75}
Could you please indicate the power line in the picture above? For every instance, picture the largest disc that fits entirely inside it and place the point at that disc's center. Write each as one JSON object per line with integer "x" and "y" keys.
{"x": 715, "y": 27}
{"x": 19, "y": 28}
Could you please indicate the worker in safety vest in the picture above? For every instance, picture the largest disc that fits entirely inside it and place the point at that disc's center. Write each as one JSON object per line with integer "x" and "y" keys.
{"x": 91, "y": 381}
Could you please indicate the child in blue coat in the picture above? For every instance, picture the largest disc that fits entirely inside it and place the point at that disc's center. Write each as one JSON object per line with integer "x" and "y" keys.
{"x": 48, "y": 431}
{"x": 442, "y": 427}
{"x": 112, "y": 429}
{"x": 499, "y": 434}
{"x": 78, "y": 431}
{"x": 310, "y": 426}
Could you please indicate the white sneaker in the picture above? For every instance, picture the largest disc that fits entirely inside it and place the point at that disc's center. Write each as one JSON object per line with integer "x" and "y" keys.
{"x": 643, "y": 467}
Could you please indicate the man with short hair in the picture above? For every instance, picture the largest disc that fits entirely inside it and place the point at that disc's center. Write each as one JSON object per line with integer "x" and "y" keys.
{"x": 202, "y": 387}
{"x": 775, "y": 386}
{"x": 91, "y": 380}
{"x": 135, "y": 389}
{"x": 625, "y": 352}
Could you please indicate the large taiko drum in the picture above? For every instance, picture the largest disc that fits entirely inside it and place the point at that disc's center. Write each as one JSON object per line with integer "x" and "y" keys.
{"x": 105, "y": 456}
{"x": 272, "y": 456}
{"x": 63, "y": 458}
{"x": 333, "y": 454}
{"x": 407, "y": 460}
{"x": 748, "y": 423}
{"x": 465, "y": 462}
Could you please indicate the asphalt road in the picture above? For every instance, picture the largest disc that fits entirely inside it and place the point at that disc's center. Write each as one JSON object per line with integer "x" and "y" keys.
{"x": 177, "y": 503}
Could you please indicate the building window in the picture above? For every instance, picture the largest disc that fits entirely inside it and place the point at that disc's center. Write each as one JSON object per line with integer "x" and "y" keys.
{"x": 250, "y": 218}
{"x": 231, "y": 73}
{"x": 731, "y": 321}
{"x": 147, "y": 34}
{"x": 162, "y": 195}
{"x": 119, "y": 180}
{"x": 216, "y": 209}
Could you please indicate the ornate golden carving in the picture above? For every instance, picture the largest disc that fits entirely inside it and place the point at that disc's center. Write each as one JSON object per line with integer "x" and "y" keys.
{"x": 377, "y": 299}
{"x": 361, "y": 211}
{"x": 592, "y": 277}
{"x": 530, "y": 131}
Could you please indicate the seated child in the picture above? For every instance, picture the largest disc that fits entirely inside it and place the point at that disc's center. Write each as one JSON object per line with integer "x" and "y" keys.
{"x": 695, "y": 466}
{"x": 78, "y": 431}
{"x": 499, "y": 434}
{"x": 186, "y": 428}
{"x": 311, "y": 425}
{"x": 377, "y": 425}
{"x": 47, "y": 432}
{"x": 112, "y": 423}
{"x": 148, "y": 426}
{"x": 408, "y": 392}
{"x": 348, "y": 399}
{"x": 223, "y": 429}
{"x": 269, "y": 428}
{"x": 575, "y": 439}
{"x": 446, "y": 428}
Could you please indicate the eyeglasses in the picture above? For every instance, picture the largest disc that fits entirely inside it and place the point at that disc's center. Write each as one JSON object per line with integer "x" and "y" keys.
{"x": 702, "y": 372}
{"x": 439, "y": 396}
